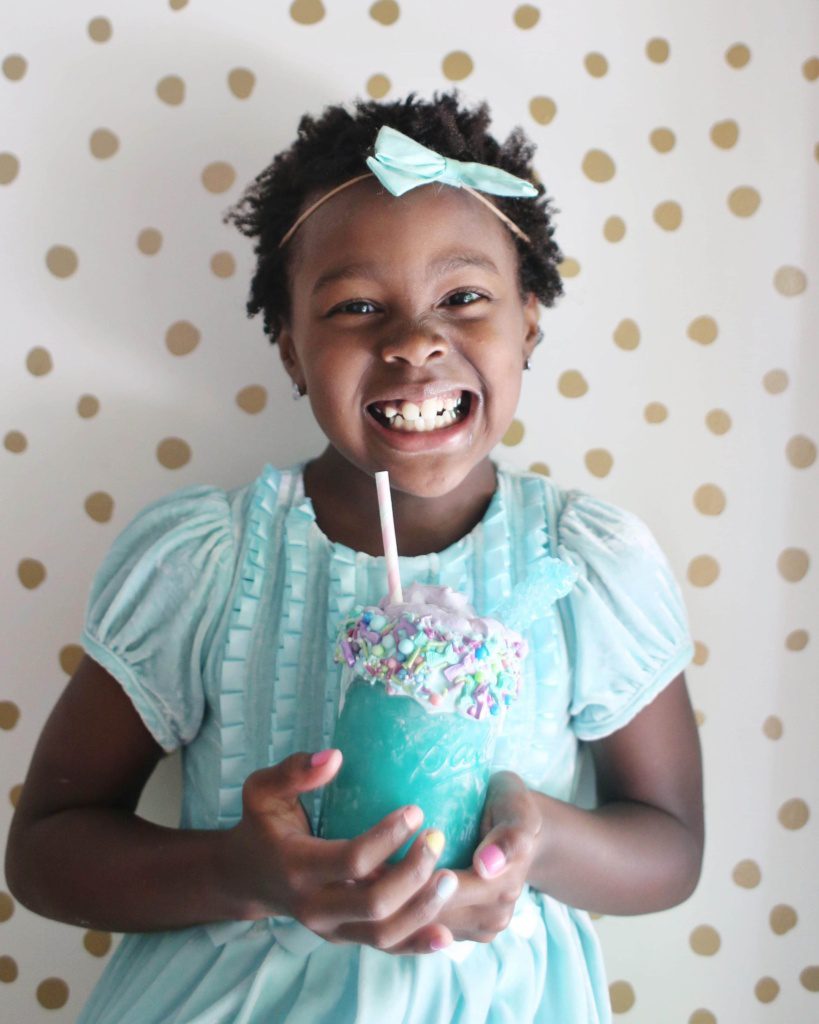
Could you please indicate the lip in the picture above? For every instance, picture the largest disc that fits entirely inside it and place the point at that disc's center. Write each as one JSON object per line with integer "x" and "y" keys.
{"x": 425, "y": 441}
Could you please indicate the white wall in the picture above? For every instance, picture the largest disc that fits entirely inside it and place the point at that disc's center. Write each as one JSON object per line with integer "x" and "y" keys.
{"x": 741, "y": 501}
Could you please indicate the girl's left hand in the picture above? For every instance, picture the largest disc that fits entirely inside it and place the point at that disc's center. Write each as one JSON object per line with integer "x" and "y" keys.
{"x": 487, "y": 892}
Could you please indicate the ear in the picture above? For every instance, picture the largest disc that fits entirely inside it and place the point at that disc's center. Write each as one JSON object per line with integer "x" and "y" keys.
{"x": 531, "y": 316}
{"x": 289, "y": 357}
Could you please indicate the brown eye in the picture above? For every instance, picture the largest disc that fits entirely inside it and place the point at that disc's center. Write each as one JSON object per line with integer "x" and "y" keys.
{"x": 464, "y": 298}
{"x": 356, "y": 307}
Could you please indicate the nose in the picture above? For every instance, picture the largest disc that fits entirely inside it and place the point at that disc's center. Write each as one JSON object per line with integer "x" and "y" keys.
{"x": 415, "y": 343}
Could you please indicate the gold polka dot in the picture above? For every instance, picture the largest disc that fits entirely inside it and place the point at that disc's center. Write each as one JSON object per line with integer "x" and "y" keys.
{"x": 703, "y": 570}
{"x": 177, "y": 5}
{"x": 766, "y": 990}
{"x": 9, "y": 168}
{"x": 775, "y": 381}
{"x": 782, "y": 918}
{"x": 627, "y": 335}
{"x": 746, "y": 874}
{"x": 307, "y": 12}
{"x": 701, "y": 653}
{"x": 15, "y": 442}
{"x": 378, "y": 86}
{"x": 70, "y": 657}
{"x": 705, "y": 940}
{"x": 540, "y": 467}
{"x": 241, "y": 82}
{"x": 457, "y": 66}
{"x": 149, "y": 241}
{"x": 514, "y": 434}
{"x": 599, "y": 461}
{"x": 809, "y": 978}
{"x": 14, "y": 794}
{"x": 725, "y": 133}
{"x": 9, "y": 714}
{"x": 801, "y": 451}
{"x": 598, "y": 166}
{"x": 8, "y": 969}
{"x": 252, "y": 398}
{"x": 655, "y": 412}
{"x": 103, "y": 144}
{"x": 385, "y": 12}
{"x": 38, "y": 362}
{"x": 709, "y": 499}
{"x": 614, "y": 229}
{"x": 718, "y": 421}
{"x": 793, "y": 814}
{"x": 790, "y": 281}
{"x": 182, "y": 338}
{"x": 793, "y": 564}
{"x": 738, "y": 55}
{"x": 797, "y": 640}
{"x": 702, "y": 1016}
{"x": 703, "y": 329}
{"x": 52, "y": 993}
{"x": 218, "y": 176}
{"x": 171, "y": 90}
{"x": 61, "y": 260}
{"x": 662, "y": 139}
{"x": 596, "y": 64}
{"x": 15, "y": 67}
{"x": 744, "y": 201}
{"x": 772, "y": 727}
{"x": 223, "y": 264}
{"x": 88, "y": 406}
{"x": 31, "y": 573}
{"x": 568, "y": 267}
{"x": 699, "y": 718}
{"x": 621, "y": 996}
{"x": 668, "y": 215}
{"x": 97, "y": 943}
{"x": 6, "y": 906}
{"x": 526, "y": 16}
{"x": 173, "y": 452}
{"x": 810, "y": 69}
{"x": 572, "y": 384}
{"x": 99, "y": 506}
{"x": 542, "y": 109}
{"x": 657, "y": 50}
{"x": 99, "y": 29}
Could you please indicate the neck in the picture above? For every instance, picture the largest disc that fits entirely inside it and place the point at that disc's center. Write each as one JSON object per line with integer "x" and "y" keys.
{"x": 346, "y": 507}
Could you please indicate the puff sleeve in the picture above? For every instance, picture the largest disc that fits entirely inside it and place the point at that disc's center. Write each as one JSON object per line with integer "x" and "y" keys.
{"x": 626, "y": 625}
{"x": 155, "y": 605}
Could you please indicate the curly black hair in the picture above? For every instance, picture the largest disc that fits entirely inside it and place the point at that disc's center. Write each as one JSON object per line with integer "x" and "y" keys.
{"x": 331, "y": 148}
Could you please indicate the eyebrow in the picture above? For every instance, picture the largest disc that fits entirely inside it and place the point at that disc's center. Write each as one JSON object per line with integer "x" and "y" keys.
{"x": 442, "y": 265}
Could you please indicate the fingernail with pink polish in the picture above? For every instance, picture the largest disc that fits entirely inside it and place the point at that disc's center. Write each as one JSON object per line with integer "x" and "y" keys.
{"x": 321, "y": 757}
{"x": 492, "y": 859}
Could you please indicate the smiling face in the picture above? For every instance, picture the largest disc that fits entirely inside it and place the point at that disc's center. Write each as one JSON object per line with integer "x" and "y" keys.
{"x": 409, "y": 332}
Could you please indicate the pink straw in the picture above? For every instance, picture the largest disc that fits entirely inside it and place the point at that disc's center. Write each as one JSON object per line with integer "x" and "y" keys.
{"x": 382, "y": 483}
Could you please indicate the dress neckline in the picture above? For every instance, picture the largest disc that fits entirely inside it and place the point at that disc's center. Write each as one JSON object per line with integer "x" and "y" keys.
{"x": 302, "y": 506}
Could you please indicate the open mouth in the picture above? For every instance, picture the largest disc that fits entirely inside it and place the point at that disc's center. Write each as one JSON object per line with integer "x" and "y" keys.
{"x": 431, "y": 414}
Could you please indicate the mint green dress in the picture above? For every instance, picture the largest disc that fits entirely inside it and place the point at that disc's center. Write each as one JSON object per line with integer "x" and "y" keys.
{"x": 217, "y": 611}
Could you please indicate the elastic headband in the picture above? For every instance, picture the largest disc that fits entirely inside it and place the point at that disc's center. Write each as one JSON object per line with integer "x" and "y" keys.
{"x": 400, "y": 164}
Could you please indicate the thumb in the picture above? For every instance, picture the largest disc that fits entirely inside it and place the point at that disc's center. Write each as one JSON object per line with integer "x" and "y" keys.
{"x": 287, "y": 780}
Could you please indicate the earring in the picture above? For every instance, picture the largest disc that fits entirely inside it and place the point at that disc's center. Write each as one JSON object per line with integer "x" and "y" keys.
{"x": 527, "y": 364}
{"x": 539, "y": 336}
{"x": 297, "y": 391}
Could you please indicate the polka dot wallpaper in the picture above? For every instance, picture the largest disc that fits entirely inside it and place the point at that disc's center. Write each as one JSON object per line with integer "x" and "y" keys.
{"x": 676, "y": 378}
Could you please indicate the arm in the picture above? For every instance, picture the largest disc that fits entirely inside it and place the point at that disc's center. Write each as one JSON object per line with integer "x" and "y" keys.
{"x": 641, "y": 849}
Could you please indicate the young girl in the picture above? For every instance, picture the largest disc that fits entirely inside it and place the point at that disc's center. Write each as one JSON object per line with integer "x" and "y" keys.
{"x": 403, "y": 255}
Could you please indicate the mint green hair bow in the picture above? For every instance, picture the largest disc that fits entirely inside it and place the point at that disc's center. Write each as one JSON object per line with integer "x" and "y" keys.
{"x": 400, "y": 164}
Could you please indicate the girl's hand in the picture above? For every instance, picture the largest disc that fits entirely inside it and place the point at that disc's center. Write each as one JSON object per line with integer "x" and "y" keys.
{"x": 488, "y": 891}
{"x": 340, "y": 889}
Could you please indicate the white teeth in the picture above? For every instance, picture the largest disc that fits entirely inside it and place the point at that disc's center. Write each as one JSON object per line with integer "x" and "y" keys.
{"x": 389, "y": 411}
{"x": 431, "y": 414}
{"x": 430, "y": 408}
{"x": 410, "y": 411}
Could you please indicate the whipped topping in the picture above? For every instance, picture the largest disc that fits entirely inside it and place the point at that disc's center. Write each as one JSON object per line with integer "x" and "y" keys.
{"x": 434, "y": 648}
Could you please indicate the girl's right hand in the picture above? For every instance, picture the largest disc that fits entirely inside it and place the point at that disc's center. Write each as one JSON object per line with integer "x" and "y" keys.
{"x": 342, "y": 890}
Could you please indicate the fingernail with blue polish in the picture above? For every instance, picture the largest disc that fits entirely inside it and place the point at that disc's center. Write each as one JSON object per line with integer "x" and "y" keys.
{"x": 447, "y": 884}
